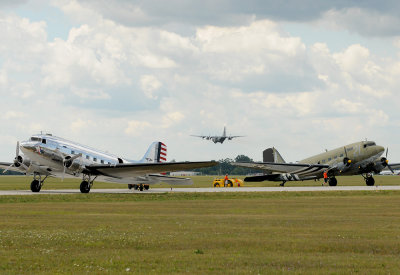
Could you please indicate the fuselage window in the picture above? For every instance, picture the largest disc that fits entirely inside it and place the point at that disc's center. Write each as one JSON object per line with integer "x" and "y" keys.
{"x": 102, "y": 161}
{"x": 87, "y": 157}
{"x": 329, "y": 159}
{"x": 44, "y": 141}
{"x": 109, "y": 162}
{"x": 335, "y": 157}
{"x": 95, "y": 159}
{"x": 341, "y": 155}
{"x": 72, "y": 152}
{"x": 323, "y": 161}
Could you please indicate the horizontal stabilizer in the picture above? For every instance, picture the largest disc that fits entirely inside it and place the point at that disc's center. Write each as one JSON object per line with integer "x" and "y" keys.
{"x": 260, "y": 178}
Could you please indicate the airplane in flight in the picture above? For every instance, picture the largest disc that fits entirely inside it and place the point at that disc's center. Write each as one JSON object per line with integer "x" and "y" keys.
{"x": 360, "y": 158}
{"x": 217, "y": 139}
{"x": 46, "y": 155}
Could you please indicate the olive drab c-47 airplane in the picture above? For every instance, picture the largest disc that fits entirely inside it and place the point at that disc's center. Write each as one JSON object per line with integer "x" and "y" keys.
{"x": 360, "y": 158}
{"x": 47, "y": 155}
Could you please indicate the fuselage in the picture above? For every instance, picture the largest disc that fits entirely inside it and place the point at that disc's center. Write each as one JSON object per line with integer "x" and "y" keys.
{"x": 49, "y": 151}
{"x": 360, "y": 153}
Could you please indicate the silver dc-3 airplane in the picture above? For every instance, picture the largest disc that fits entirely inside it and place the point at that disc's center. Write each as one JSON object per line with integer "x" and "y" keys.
{"x": 217, "y": 139}
{"x": 46, "y": 155}
{"x": 360, "y": 158}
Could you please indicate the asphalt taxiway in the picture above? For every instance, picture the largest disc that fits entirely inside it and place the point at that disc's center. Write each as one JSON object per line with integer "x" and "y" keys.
{"x": 205, "y": 190}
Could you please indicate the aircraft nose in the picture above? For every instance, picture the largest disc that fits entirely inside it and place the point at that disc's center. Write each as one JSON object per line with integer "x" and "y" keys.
{"x": 380, "y": 149}
{"x": 24, "y": 145}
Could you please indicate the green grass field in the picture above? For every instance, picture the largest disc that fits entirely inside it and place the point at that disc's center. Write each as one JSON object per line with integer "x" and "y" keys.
{"x": 240, "y": 233}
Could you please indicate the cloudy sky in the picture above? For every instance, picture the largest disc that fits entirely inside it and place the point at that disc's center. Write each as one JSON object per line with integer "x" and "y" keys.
{"x": 300, "y": 75}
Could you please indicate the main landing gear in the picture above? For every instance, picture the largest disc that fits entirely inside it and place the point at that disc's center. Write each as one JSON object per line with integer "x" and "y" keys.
{"x": 37, "y": 182}
{"x": 86, "y": 184}
{"x": 332, "y": 181}
{"x": 369, "y": 180}
{"x": 141, "y": 187}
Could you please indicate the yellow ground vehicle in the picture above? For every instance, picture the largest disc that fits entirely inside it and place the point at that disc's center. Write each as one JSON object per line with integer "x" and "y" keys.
{"x": 235, "y": 182}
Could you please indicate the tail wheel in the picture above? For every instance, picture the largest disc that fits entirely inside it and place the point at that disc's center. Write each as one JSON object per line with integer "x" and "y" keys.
{"x": 130, "y": 186}
{"x": 85, "y": 187}
{"x": 146, "y": 187}
{"x": 230, "y": 184}
{"x": 135, "y": 186}
{"x": 141, "y": 187}
{"x": 35, "y": 186}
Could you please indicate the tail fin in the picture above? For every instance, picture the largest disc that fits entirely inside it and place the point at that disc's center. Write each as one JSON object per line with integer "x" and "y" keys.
{"x": 272, "y": 155}
{"x": 157, "y": 152}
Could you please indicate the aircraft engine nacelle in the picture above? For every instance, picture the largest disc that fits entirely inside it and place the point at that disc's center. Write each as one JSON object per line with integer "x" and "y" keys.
{"x": 22, "y": 161}
{"x": 73, "y": 163}
{"x": 344, "y": 165}
{"x": 380, "y": 164}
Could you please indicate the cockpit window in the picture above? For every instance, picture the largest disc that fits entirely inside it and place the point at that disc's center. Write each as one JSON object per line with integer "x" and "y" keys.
{"x": 36, "y": 139}
{"x": 44, "y": 141}
{"x": 370, "y": 143}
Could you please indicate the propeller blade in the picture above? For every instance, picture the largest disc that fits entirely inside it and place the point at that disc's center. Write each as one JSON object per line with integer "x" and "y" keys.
{"x": 387, "y": 151}
{"x": 17, "y": 150}
{"x": 345, "y": 151}
{"x": 25, "y": 167}
{"x": 63, "y": 174}
{"x": 390, "y": 168}
{"x": 75, "y": 157}
{"x": 8, "y": 168}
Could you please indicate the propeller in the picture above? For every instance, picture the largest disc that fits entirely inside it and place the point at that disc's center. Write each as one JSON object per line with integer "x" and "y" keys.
{"x": 18, "y": 160}
{"x": 67, "y": 160}
{"x": 346, "y": 159}
{"x": 385, "y": 161}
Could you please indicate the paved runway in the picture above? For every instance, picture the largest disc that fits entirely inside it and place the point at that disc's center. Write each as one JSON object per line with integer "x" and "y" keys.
{"x": 206, "y": 190}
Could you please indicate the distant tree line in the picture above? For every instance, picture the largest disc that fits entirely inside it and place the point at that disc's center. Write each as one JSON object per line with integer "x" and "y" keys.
{"x": 9, "y": 173}
{"x": 225, "y": 167}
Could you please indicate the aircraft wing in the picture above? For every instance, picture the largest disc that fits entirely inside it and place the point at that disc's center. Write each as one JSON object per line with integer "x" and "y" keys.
{"x": 129, "y": 170}
{"x": 200, "y": 136}
{"x": 293, "y": 168}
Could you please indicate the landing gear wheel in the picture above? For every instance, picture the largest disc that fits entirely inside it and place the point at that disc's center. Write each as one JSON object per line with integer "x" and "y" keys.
{"x": 332, "y": 181}
{"x": 35, "y": 186}
{"x": 135, "y": 186}
{"x": 146, "y": 187}
{"x": 282, "y": 184}
{"x": 130, "y": 186}
{"x": 141, "y": 187}
{"x": 369, "y": 181}
{"x": 85, "y": 187}
{"x": 216, "y": 185}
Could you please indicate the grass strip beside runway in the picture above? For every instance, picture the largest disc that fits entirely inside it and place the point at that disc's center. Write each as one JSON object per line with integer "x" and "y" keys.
{"x": 319, "y": 232}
